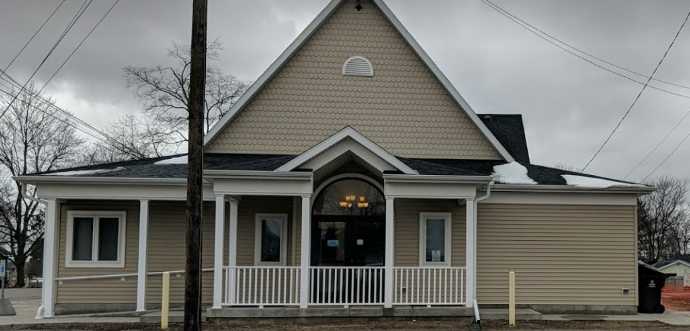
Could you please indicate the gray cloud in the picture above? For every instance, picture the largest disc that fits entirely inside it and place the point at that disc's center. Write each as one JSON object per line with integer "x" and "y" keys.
{"x": 498, "y": 67}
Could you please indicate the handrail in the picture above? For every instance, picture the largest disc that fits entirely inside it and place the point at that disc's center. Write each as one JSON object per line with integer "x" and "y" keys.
{"x": 134, "y": 274}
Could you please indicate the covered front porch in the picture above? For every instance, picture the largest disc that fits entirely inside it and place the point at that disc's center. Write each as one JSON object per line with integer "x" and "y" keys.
{"x": 364, "y": 230}
{"x": 307, "y": 259}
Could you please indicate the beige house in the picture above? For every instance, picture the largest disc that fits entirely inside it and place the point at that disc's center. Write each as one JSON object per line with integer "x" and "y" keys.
{"x": 351, "y": 174}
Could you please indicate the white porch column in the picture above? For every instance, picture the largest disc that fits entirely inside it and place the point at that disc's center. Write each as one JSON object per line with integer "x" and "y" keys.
{"x": 143, "y": 254}
{"x": 470, "y": 250}
{"x": 218, "y": 240}
{"x": 390, "y": 254}
{"x": 305, "y": 252}
{"x": 232, "y": 248}
{"x": 49, "y": 258}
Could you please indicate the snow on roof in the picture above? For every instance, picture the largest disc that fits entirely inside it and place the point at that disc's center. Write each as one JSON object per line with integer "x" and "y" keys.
{"x": 86, "y": 172}
{"x": 592, "y": 182}
{"x": 175, "y": 160}
{"x": 512, "y": 173}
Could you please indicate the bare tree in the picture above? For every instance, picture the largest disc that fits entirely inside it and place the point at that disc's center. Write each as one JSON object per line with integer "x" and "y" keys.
{"x": 33, "y": 138}
{"x": 662, "y": 218}
{"x": 131, "y": 138}
{"x": 164, "y": 90}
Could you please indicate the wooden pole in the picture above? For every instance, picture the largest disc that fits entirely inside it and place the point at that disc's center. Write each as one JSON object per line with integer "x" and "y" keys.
{"x": 511, "y": 298}
{"x": 197, "y": 85}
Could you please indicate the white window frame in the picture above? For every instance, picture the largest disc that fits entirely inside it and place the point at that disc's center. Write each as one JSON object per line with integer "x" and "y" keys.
{"x": 283, "y": 239}
{"x": 96, "y": 215}
{"x": 423, "y": 218}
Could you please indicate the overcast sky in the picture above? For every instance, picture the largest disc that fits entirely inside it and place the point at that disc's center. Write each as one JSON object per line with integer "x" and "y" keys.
{"x": 568, "y": 105}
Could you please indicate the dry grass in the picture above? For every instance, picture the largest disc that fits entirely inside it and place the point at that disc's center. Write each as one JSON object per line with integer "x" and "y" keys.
{"x": 362, "y": 324}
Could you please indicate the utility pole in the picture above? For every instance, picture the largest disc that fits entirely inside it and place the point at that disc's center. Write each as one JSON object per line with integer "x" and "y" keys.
{"x": 195, "y": 156}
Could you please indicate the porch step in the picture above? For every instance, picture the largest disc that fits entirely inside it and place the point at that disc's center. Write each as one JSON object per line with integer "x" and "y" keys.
{"x": 521, "y": 314}
{"x": 377, "y": 311}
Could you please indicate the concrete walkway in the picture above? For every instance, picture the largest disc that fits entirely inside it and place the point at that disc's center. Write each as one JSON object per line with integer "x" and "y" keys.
{"x": 675, "y": 318}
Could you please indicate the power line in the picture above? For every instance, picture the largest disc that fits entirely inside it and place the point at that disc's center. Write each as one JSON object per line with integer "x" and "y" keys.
{"x": 639, "y": 94}
{"x": 78, "y": 45}
{"x": 85, "y": 5}
{"x": 579, "y": 53}
{"x": 26, "y": 44}
{"x": 675, "y": 149}
{"x": 658, "y": 145}
{"x": 112, "y": 145}
{"x": 104, "y": 137}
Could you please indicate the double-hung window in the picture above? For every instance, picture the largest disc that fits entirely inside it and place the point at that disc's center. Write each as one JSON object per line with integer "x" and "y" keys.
{"x": 270, "y": 239}
{"x": 95, "y": 239}
{"x": 434, "y": 239}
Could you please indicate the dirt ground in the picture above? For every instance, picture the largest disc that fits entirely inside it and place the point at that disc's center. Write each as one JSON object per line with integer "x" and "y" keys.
{"x": 676, "y": 298}
{"x": 362, "y": 324}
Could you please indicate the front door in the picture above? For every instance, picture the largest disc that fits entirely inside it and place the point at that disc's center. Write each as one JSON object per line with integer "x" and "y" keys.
{"x": 348, "y": 240}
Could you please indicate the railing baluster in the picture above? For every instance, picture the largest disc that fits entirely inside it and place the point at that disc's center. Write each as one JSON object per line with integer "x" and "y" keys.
{"x": 376, "y": 285}
{"x": 348, "y": 290}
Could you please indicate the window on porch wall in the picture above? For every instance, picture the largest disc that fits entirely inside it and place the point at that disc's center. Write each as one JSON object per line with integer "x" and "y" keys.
{"x": 95, "y": 238}
{"x": 270, "y": 242}
{"x": 434, "y": 239}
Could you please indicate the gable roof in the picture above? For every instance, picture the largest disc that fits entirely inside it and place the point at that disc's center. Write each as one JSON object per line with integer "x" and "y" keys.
{"x": 510, "y": 131}
{"x": 341, "y": 135}
{"x": 682, "y": 259}
{"x": 303, "y": 37}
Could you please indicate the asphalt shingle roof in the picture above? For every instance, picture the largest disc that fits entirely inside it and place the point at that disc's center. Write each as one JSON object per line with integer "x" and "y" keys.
{"x": 508, "y": 129}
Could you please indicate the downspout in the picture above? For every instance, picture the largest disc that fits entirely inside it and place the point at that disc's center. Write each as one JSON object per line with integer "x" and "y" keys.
{"x": 487, "y": 194}
{"x": 476, "y": 324}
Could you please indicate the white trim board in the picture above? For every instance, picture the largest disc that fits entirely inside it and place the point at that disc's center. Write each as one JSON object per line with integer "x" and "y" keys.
{"x": 309, "y": 31}
{"x": 342, "y": 136}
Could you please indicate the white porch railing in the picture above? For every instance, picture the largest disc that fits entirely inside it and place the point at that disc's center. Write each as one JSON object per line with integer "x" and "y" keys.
{"x": 346, "y": 285}
{"x": 261, "y": 285}
{"x": 429, "y": 286}
{"x": 343, "y": 286}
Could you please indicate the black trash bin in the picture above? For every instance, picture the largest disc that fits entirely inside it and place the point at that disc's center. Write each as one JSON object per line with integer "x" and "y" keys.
{"x": 650, "y": 283}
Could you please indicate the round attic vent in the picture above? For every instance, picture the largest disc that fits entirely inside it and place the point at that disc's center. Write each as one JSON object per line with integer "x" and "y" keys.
{"x": 358, "y": 66}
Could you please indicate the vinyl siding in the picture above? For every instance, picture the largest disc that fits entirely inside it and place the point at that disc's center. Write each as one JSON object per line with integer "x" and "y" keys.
{"x": 403, "y": 107}
{"x": 562, "y": 254}
{"x": 407, "y": 229}
{"x": 101, "y": 290}
{"x": 166, "y": 249}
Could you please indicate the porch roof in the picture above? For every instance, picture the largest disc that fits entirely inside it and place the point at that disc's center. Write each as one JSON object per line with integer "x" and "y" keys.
{"x": 175, "y": 166}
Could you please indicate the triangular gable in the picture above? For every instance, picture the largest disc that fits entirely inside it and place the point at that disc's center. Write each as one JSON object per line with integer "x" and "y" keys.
{"x": 305, "y": 36}
{"x": 370, "y": 151}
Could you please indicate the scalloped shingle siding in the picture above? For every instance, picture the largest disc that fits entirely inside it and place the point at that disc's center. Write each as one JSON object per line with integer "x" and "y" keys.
{"x": 403, "y": 108}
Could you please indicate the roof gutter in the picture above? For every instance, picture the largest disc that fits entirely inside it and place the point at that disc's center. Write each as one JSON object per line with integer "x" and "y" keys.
{"x": 642, "y": 189}
{"x": 436, "y": 179}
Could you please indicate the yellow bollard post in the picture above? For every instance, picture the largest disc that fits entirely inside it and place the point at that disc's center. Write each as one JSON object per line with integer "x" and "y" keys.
{"x": 165, "y": 300}
{"x": 511, "y": 298}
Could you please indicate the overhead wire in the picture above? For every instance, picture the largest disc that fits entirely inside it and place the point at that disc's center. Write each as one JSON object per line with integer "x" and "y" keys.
{"x": 639, "y": 94}
{"x": 40, "y": 28}
{"x": 40, "y": 90}
{"x": 584, "y": 55}
{"x": 103, "y": 136}
{"x": 85, "y": 5}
